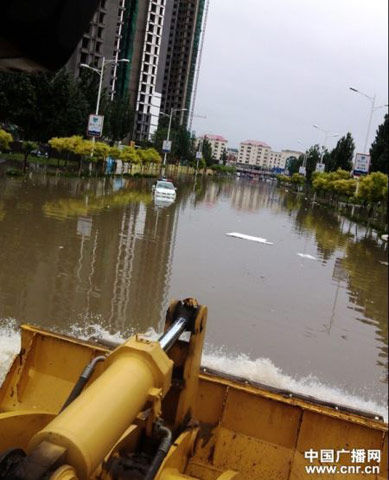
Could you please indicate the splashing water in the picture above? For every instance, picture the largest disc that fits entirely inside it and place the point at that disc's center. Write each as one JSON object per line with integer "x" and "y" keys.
{"x": 9, "y": 345}
{"x": 260, "y": 370}
{"x": 263, "y": 370}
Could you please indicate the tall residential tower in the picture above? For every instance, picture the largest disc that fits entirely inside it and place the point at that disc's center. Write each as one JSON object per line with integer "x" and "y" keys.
{"x": 161, "y": 39}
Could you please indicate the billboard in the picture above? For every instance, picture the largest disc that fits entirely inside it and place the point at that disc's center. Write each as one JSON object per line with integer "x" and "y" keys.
{"x": 361, "y": 164}
{"x": 95, "y": 125}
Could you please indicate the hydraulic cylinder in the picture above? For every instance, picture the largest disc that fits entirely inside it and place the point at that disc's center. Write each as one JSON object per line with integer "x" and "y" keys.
{"x": 91, "y": 425}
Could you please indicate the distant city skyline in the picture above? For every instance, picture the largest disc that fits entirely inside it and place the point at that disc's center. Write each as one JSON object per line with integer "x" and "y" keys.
{"x": 272, "y": 70}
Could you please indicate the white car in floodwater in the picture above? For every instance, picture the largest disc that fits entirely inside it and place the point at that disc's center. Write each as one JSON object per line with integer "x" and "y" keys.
{"x": 164, "y": 189}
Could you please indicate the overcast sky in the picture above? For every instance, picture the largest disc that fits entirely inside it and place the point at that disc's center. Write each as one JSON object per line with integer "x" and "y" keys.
{"x": 271, "y": 69}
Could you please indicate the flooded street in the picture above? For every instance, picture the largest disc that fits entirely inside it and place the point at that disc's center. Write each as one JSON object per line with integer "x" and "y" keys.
{"x": 101, "y": 256}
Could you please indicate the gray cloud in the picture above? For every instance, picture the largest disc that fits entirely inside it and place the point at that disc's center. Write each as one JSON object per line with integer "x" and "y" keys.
{"x": 272, "y": 69}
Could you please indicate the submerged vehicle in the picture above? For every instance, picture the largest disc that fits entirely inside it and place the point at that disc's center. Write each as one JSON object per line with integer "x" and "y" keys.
{"x": 164, "y": 189}
{"x": 73, "y": 409}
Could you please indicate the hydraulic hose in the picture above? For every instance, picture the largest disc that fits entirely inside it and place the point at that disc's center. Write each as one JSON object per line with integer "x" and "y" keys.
{"x": 161, "y": 452}
{"x": 82, "y": 380}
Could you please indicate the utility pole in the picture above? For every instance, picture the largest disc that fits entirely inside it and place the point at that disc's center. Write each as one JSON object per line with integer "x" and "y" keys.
{"x": 373, "y": 108}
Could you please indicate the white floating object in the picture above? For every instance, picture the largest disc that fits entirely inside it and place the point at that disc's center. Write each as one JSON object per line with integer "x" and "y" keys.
{"x": 249, "y": 237}
{"x": 384, "y": 263}
{"x": 384, "y": 237}
{"x": 306, "y": 255}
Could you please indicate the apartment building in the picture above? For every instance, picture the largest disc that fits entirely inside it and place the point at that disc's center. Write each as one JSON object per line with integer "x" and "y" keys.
{"x": 218, "y": 144}
{"x": 254, "y": 153}
{"x": 184, "y": 32}
{"x": 102, "y": 39}
{"x": 259, "y": 154}
{"x": 160, "y": 40}
{"x": 149, "y": 85}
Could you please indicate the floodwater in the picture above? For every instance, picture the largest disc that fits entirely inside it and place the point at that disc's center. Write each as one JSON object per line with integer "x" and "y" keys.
{"x": 308, "y": 311}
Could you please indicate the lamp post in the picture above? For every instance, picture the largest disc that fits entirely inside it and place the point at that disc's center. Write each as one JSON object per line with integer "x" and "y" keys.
{"x": 172, "y": 111}
{"x": 100, "y": 72}
{"x": 327, "y": 134}
{"x": 372, "y": 110}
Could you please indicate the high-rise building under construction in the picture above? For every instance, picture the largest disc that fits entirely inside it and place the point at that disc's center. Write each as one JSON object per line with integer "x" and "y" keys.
{"x": 161, "y": 39}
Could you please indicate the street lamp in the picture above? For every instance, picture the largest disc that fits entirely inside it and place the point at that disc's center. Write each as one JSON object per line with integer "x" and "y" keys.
{"x": 305, "y": 153}
{"x": 327, "y": 134}
{"x": 100, "y": 72}
{"x": 372, "y": 110}
{"x": 172, "y": 111}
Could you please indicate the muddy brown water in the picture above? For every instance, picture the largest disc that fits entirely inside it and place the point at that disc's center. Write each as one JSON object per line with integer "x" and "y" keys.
{"x": 85, "y": 255}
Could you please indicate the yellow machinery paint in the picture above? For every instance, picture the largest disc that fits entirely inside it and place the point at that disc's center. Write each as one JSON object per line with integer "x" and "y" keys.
{"x": 94, "y": 422}
{"x": 223, "y": 428}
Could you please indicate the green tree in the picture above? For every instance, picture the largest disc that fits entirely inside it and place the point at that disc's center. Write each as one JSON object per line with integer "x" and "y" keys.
{"x": 182, "y": 142}
{"x": 5, "y": 139}
{"x": 293, "y": 164}
{"x": 89, "y": 85}
{"x": 338, "y": 182}
{"x": 373, "y": 187}
{"x": 119, "y": 118}
{"x": 224, "y": 157}
{"x": 82, "y": 148}
{"x": 114, "y": 152}
{"x": 342, "y": 155}
{"x": 207, "y": 152}
{"x": 130, "y": 155}
{"x": 298, "y": 179}
{"x": 43, "y": 105}
{"x": 345, "y": 187}
{"x": 379, "y": 150}
{"x": 326, "y": 159}
{"x": 312, "y": 158}
{"x": 101, "y": 151}
{"x": 150, "y": 156}
{"x": 18, "y": 103}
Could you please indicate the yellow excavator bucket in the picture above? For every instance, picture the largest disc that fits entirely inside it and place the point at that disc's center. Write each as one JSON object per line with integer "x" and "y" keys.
{"x": 221, "y": 428}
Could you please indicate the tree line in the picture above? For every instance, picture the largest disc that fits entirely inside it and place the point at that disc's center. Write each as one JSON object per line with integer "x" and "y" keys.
{"x": 40, "y": 106}
{"x": 341, "y": 157}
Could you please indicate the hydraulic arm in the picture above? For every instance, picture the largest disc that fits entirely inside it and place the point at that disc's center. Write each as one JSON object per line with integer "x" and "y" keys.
{"x": 136, "y": 373}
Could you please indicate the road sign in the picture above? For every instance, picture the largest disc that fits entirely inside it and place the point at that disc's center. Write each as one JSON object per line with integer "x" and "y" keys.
{"x": 95, "y": 125}
{"x": 167, "y": 146}
{"x": 302, "y": 170}
{"x": 199, "y": 155}
{"x": 320, "y": 167}
{"x": 361, "y": 164}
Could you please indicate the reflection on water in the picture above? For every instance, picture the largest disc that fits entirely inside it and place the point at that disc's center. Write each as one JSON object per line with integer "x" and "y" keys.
{"x": 79, "y": 252}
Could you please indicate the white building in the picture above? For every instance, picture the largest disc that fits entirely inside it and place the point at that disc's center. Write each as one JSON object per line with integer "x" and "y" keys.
{"x": 218, "y": 145}
{"x": 254, "y": 153}
{"x": 148, "y": 103}
{"x": 259, "y": 154}
{"x": 288, "y": 155}
{"x": 232, "y": 156}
